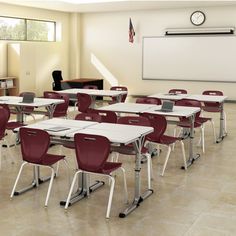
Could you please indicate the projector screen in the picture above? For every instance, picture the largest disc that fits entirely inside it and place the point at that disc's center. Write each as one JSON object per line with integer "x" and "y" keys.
{"x": 196, "y": 58}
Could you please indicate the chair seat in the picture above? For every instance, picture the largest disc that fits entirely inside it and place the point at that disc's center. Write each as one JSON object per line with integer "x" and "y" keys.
{"x": 167, "y": 140}
{"x": 203, "y": 119}
{"x": 50, "y": 159}
{"x": 110, "y": 167}
{"x": 211, "y": 109}
{"x": 70, "y": 145}
{"x": 127, "y": 149}
{"x": 13, "y": 125}
{"x": 186, "y": 124}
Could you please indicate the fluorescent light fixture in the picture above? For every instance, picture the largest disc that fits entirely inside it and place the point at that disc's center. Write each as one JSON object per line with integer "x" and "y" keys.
{"x": 90, "y": 1}
{"x": 199, "y": 31}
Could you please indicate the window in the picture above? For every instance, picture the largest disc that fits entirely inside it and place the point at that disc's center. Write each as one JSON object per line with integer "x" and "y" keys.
{"x": 19, "y": 29}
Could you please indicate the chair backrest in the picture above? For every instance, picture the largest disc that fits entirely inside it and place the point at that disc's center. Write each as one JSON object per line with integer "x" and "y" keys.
{"x": 83, "y": 102}
{"x": 61, "y": 109}
{"x": 90, "y": 86}
{"x": 50, "y": 94}
{"x": 134, "y": 120}
{"x": 107, "y": 116}
{"x": 119, "y": 88}
{"x": 34, "y": 144}
{"x": 92, "y": 151}
{"x": 89, "y": 117}
{"x": 57, "y": 77}
{"x": 178, "y": 91}
{"x": 4, "y": 117}
{"x": 189, "y": 103}
{"x": 212, "y": 93}
{"x": 159, "y": 124}
{"x": 149, "y": 100}
{"x": 27, "y": 109}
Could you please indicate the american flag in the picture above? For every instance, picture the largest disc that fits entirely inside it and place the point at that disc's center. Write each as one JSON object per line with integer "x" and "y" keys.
{"x": 131, "y": 31}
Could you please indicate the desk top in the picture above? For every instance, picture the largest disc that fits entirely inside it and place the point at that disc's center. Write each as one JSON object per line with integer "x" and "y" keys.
{"x": 93, "y": 92}
{"x": 178, "y": 111}
{"x": 127, "y": 107}
{"x": 82, "y": 80}
{"x": 199, "y": 97}
{"x": 72, "y": 125}
{"x": 38, "y": 102}
{"x": 116, "y": 133}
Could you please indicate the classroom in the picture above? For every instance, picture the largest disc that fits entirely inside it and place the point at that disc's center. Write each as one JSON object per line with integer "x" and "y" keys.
{"x": 67, "y": 66}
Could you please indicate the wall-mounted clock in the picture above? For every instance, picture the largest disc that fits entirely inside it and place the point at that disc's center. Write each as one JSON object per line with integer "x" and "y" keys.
{"x": 197, "y": 18}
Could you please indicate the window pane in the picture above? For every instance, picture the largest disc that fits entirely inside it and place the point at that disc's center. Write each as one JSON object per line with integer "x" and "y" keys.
{"x": 40, "y": 30}
{"x": 12, "y": 28}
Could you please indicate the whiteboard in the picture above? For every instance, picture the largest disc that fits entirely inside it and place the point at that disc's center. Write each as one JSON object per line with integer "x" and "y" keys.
{"x": 196, "y": 58}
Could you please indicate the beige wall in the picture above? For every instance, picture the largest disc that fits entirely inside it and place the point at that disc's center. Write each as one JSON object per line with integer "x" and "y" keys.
{"x": 106, "y": 36}
{"x": 36, "y": 61}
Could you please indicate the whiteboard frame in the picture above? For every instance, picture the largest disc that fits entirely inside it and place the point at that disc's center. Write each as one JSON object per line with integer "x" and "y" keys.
{"x": 189, "y": 80}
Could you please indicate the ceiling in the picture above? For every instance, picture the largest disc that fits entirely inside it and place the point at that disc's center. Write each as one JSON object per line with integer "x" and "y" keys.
{"x": 114, "y": 5}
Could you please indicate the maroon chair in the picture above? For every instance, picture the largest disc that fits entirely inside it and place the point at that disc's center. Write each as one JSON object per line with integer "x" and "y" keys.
{"x": 213, "y": 106}
{"x": 61, "y": 109}
{"x": 178, "y": 91}
{"x": 198, "y": 122}
{"x": 4, "y": 116}
{"x": 159, "y": 124}
{"x": 119, "y": 88}
{"x": 129, "y": 149}
{"x": 149, "y": 100}
{"x": 84, "y": 101}
{"x": 90, "y": 86}
{"x": 93, "y": 160}
{"x": 11, "y": 125}
{"x": 107, "y": 116}
{"x": 34, "y": 147}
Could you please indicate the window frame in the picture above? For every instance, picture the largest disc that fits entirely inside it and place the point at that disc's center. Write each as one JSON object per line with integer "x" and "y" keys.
{"x": 26, "y": 29}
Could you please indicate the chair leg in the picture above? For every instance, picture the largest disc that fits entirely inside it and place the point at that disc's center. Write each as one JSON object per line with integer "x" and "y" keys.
{"x": 17, "y": 179}
{"x": 202, "y": 139}
{"x": 225, "y": 122}
{"x": 183, "y": 152}
{"x": 110, "y": 196}
{"x": 125, "y": 184}
{"x": 71, "y": 189}
{"x": 149, "y": 169}
{"x": 213, "y": 128}
{"x": 50, "y": 186}
{"x": 167, "y": 158}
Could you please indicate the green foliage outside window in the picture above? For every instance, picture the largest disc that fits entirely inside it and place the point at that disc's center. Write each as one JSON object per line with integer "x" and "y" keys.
{"x": 26, "y": 29}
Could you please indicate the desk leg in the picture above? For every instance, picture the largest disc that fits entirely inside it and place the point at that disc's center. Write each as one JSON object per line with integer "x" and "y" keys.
{"x": 192, "y": 156}
{"x": 138, "y": 198}
{"x": 82, "y": 190}
{"x": 222, "y": 132}
{"x": 93, "y": 102}
{"x": 50, "y": 109}
{"x": 35, "y": 182}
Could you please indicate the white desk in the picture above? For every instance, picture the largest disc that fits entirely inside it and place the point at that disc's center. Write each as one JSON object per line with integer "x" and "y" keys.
{"x": 178, "y": 111}
{"x": 201, "y": 98}
{"x": 127, "y": 107}
{"x": 94, "y": 93}
{"x": 16, "y": 102}
{"x": 116, "y": 133}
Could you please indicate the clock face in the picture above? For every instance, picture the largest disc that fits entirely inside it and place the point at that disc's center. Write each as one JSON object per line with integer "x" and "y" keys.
{"x": 197, "y": 18}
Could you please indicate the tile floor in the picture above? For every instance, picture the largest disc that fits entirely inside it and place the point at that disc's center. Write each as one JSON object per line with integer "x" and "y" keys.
{"x": 198, "y": 202}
